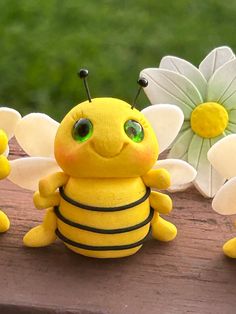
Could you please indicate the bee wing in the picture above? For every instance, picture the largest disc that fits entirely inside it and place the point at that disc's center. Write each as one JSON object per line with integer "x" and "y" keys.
{"x": 6, "y": 153}
{"x": 9, "y": 118}
{"x": 221, "y": 156}
{"x": 166, "y": 121}
{"x": 224, "y": 201}
{"x": 35, "y": 133}
{"x": 26, "y": 172}
{"x": 182, "y": 174}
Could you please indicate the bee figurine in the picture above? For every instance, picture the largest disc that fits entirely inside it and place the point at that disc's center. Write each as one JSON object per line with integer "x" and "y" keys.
{"x": 8, "y": 120}
{"x": 221, "y": 156}
{"x": 99, "y": 175}
{"x": 4, "y": 172}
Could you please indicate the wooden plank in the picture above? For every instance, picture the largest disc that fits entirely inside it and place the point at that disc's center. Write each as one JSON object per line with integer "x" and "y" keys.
{"x": 189, "y": 275}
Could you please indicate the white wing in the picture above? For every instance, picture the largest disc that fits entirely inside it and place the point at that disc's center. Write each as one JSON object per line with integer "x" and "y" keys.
{"x": 224, "y": 201}
{"x": 181, "y": 172}
{"x": 9, "y": 118}
{"x": 221, "y": 155}
{"x": 35, "y": 133}
{"x": 166, "y": 120}
{"x": 6, "y": 153}
{"x": 26, "y": 172}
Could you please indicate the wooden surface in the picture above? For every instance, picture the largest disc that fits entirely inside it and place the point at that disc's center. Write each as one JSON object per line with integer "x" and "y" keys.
{"x": 189, "y": 275}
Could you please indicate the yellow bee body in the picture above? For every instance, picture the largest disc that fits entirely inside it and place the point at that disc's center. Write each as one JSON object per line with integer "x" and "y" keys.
{"x": 110, "y": 225}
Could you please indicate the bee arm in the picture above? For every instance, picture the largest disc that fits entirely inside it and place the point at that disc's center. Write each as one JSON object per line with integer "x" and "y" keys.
{"x": 158, "y": 178}
{"x": 160, "y": 202}
{"x": 48, "y": 185}
{"x": 42, "y": 202}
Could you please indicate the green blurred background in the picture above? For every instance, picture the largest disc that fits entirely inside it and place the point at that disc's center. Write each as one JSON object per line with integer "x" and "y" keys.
{"x": 44, "y": 42}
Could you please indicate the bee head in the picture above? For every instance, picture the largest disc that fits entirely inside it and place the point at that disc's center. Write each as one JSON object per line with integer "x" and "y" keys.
{"x": 105, "y": 138}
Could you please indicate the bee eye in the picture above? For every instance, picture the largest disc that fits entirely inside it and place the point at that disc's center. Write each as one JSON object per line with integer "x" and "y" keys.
{"x": 82, "y": 130}
{"x": 134, "y": 130}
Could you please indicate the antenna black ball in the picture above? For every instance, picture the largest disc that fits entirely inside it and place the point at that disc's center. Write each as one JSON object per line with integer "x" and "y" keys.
{"x": 83, "y": 73}
{"x": 143, "y": 82}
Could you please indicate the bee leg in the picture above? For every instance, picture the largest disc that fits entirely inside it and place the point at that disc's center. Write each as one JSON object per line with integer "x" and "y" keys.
{"x": 162, "y": 230}
{"x": 162, "y": 203}
{"x": 4, "y": 222}
{"x": 43, "y": 234}
{"x": 229, "y": 248}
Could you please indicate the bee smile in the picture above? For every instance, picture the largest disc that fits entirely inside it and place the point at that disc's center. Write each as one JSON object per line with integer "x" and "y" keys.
{"x": 107, "y": 153}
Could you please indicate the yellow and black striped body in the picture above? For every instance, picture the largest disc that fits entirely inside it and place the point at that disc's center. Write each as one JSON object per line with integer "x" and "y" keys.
{"x": 102, "y": 232}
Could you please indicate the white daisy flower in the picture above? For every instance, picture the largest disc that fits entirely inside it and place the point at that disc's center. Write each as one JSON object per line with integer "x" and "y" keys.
{"x": 207, "y": 97}
{"x": 221, "y": 156}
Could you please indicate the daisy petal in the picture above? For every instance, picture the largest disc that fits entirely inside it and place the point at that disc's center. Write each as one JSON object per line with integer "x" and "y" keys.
{"x": 232, "y": 116}
{"x": 221, "y": 156}
{"x": 26, "y": 172}
{"x": 185, "y": 126}
{"x": 36, "y": 133}
{"x": 180, "y": 171}
{"x": 222, "y": 85}
{"x": 227, "y": 132}
{"x": 181, "y": 145}
{"x": 166, "y": 121}
{"x": 224, "y": 201}
{"x": 208, "y": 180}
{"x": 180, "y": 150}
{"x": 231, "y": 127}
{"x": 215, "y": 59}
{"x": 8, "y": 120}
{"x": 165, "y": 86}
{"x": 188, "y": 70}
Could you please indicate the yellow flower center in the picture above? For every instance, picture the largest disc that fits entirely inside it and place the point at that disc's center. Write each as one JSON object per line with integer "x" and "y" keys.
{"x": 209, "y": 119}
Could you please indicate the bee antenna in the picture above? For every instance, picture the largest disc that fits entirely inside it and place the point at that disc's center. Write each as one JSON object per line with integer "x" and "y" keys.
{"x": 142, "y": 82}
{"x": 83, "y": 73}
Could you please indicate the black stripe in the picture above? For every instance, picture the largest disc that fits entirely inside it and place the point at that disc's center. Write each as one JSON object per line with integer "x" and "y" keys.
{"x": 104, "y": 209}
{"x": 101, "y": 248}
{"x": 103, "y": 231}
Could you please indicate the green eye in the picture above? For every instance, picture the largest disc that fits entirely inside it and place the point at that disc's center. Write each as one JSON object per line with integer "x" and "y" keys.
{"x": 134, "y": 130}
{"x": 82, "y": 130}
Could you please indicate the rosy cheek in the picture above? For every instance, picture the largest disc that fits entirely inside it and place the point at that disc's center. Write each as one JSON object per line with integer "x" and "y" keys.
{"x": 144, "y": 155}
{"x": 59, "y": 153}
{"x": 63, "y": 156}
{"x": 74, "y": 158}
{"x": 77, "y": 158}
